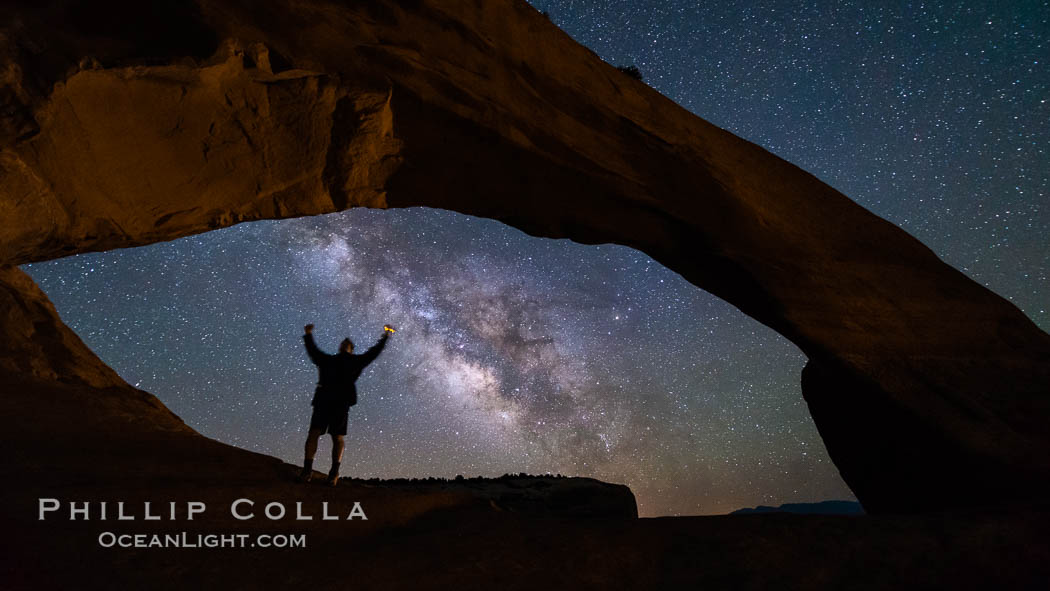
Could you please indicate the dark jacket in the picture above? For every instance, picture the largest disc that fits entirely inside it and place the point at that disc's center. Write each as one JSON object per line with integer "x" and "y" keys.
{"x": 337, "y": 373}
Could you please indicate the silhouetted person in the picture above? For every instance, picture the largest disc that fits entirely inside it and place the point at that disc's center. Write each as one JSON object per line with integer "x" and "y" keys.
{"x": 334, "y": 396}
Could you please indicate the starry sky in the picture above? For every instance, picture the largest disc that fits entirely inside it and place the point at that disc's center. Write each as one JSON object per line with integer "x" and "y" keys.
{"x": 518, "y": 354}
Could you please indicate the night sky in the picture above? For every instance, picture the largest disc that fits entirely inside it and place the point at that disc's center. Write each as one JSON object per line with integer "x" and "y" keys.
{"x": 517, "y": 354}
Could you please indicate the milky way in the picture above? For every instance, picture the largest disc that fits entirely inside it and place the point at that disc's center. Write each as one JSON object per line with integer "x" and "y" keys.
{"x": 516, "y": 354}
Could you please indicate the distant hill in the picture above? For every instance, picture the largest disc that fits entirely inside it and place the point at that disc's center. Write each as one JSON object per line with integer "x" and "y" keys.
{"x": 821, "y": 508}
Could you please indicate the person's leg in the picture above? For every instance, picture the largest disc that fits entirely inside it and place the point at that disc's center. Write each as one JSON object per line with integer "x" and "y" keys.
{"x": 311, "y": 450}
{"x": 338, "y": 443}
{"x": 311, "y": 443}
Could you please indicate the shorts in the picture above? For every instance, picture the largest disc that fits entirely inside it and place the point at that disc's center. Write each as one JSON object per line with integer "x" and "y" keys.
{"x": 329, "y": 419}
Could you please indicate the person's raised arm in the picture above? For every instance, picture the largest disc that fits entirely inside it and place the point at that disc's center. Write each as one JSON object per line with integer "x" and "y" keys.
{"x": 370, "y": 355}
{"x": 316, "y": 355}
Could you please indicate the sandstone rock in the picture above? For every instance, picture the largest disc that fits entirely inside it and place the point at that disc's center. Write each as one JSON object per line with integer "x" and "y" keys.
{"x": 35, "y": 342}
{"x": 39, "y": 353}
{"x": 139, "y": 123}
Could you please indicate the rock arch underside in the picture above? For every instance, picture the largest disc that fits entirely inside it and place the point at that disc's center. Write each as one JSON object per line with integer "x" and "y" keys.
{"x": 124, "y": 125}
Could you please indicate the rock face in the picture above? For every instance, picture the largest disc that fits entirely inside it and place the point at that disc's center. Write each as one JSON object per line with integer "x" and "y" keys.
{"x": 128, "y": 123}
{"x": 34, "y": 342}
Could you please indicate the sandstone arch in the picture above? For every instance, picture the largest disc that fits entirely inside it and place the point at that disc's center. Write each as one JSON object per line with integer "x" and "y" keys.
{"x": 928, "y": 389}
